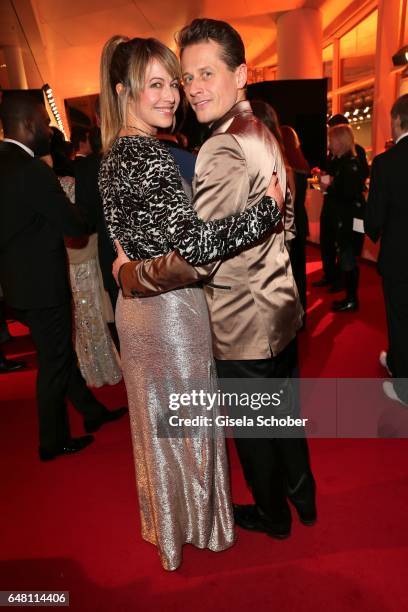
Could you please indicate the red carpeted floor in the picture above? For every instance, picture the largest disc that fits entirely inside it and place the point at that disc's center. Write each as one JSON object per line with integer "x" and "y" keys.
{"x": 73, "y": 524}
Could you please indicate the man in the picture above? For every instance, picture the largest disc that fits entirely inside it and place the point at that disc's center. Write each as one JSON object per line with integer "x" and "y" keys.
{"x": 387, "y": 218}
{"x": 252, "y": 298}
{"x": 328, "y": 217}
{"x": 34, "y": 217}
{"x": 80, "y": 140}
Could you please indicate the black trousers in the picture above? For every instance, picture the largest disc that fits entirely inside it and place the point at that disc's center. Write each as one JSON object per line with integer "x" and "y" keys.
{"x": 396, "y": 307}
{"x": 277, "y": 468}
{"x": 58, "y": 374}
{"x": 328, "y": 235}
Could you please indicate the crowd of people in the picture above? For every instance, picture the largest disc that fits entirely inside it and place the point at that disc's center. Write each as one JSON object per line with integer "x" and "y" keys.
{"x": 207, "y": 277}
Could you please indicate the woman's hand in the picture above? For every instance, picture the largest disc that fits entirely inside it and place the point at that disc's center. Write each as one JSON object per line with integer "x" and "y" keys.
{"x": 275, "y": 192}
{"x": 121, "y": 259}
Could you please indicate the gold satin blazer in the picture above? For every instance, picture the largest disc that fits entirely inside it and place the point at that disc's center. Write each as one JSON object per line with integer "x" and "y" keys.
{"x": 252, "y": 297}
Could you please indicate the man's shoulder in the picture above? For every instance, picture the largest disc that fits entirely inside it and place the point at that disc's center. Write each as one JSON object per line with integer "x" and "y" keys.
{"x": 222, "y": 142}
{"x": 15, "y": 161}
{"x": 14, "y": 153}
{"x": 396, "y": 152}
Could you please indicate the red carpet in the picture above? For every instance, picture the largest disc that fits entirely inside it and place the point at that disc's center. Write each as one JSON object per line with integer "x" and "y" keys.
{"x": 73, "y": 524}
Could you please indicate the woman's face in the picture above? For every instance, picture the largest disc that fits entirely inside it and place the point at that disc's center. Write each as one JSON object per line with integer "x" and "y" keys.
{"x": 157, "y": 103}
{"x": 335, "y": 146}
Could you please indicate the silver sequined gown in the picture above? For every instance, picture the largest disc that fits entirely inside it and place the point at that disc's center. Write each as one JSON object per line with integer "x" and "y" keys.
{"x": 98, "y": 358}
{"x": 183, "y": 483}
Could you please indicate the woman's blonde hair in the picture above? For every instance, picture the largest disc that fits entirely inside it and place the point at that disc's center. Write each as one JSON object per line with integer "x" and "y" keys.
{"x": 343, "y": 134}
{"x": 125, "y": 61}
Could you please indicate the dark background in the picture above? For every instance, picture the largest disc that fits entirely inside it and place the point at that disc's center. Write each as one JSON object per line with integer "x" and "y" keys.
{"x": 302, "y": 104}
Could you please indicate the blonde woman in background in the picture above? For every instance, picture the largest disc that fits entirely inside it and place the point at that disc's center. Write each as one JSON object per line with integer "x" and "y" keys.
{"x": 345, "y": 192}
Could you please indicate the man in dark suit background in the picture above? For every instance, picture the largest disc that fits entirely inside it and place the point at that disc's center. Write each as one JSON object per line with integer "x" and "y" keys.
{"x": 387, "y": 218}
{"x": 34, "y": 217}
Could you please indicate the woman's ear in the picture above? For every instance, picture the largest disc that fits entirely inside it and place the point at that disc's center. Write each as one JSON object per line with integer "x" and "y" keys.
{"x": 119, "y": 88}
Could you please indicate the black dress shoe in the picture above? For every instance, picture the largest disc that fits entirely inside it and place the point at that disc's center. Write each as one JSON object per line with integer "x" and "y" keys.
{"x": 248, "y": 517}
{"x": 346, "y": 305}
{"x": 92, "y": 425}
{"x": 323, "y": 282}
{"x": 9, "y": 365}
{"x": 73, "y": 446}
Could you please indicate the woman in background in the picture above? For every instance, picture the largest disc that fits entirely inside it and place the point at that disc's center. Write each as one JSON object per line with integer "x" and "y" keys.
{"x": 300, "y": 169}
{"x": 297, "y": 170}
{"x": 97, "y": 356}
{"x": 345, "y": 192}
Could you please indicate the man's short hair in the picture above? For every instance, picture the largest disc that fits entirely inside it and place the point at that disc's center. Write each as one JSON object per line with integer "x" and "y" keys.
{"x": 16, "y": 106}
{"x": 204, "y": 30}
{"x": 400, "y": 109}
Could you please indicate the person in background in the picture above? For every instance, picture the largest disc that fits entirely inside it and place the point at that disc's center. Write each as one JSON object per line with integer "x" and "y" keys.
{"x": 300, "y": 169}
{"x": 88, "y": 200}
{"x": 345, "y": 196}
{"x": 80, "y": 140}
{"x": 387, "y": 219}
{"x": 296, "y": 222}
{"x": 97, "y": 356}
{"x": 361, "y": 155}
{"x": 63, "y": 154}
{"x": 35, "y": 214}
{"x": 332, "y": 276}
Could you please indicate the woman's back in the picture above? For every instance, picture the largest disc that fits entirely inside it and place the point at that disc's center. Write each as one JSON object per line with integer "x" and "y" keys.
{"x": 138, "y": 179}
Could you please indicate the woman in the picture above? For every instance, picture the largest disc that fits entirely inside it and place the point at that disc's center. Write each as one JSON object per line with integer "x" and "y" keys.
{"x": 345, "y": 193}
{"x": 300, "y": 169}
{"x": 97, "y": 356}
{"x": 165, "y": 340}
{"x": 297, "y": 170}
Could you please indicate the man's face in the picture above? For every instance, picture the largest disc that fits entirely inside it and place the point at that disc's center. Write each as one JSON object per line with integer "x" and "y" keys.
{"x": 40, "y": 131}
{"x": 211, "y": 87}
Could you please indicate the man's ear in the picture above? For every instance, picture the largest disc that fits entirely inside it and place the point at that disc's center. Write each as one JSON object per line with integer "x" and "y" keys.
{"x": 241, "y": 75}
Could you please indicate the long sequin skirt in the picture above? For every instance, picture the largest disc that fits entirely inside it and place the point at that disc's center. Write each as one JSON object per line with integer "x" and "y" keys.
{"x": 183, "y": 482}
{"x": 97, "y": 356}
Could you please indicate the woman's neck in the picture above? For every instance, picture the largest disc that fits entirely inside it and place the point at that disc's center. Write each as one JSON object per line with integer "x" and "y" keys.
{"x": 133, "y": 128}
